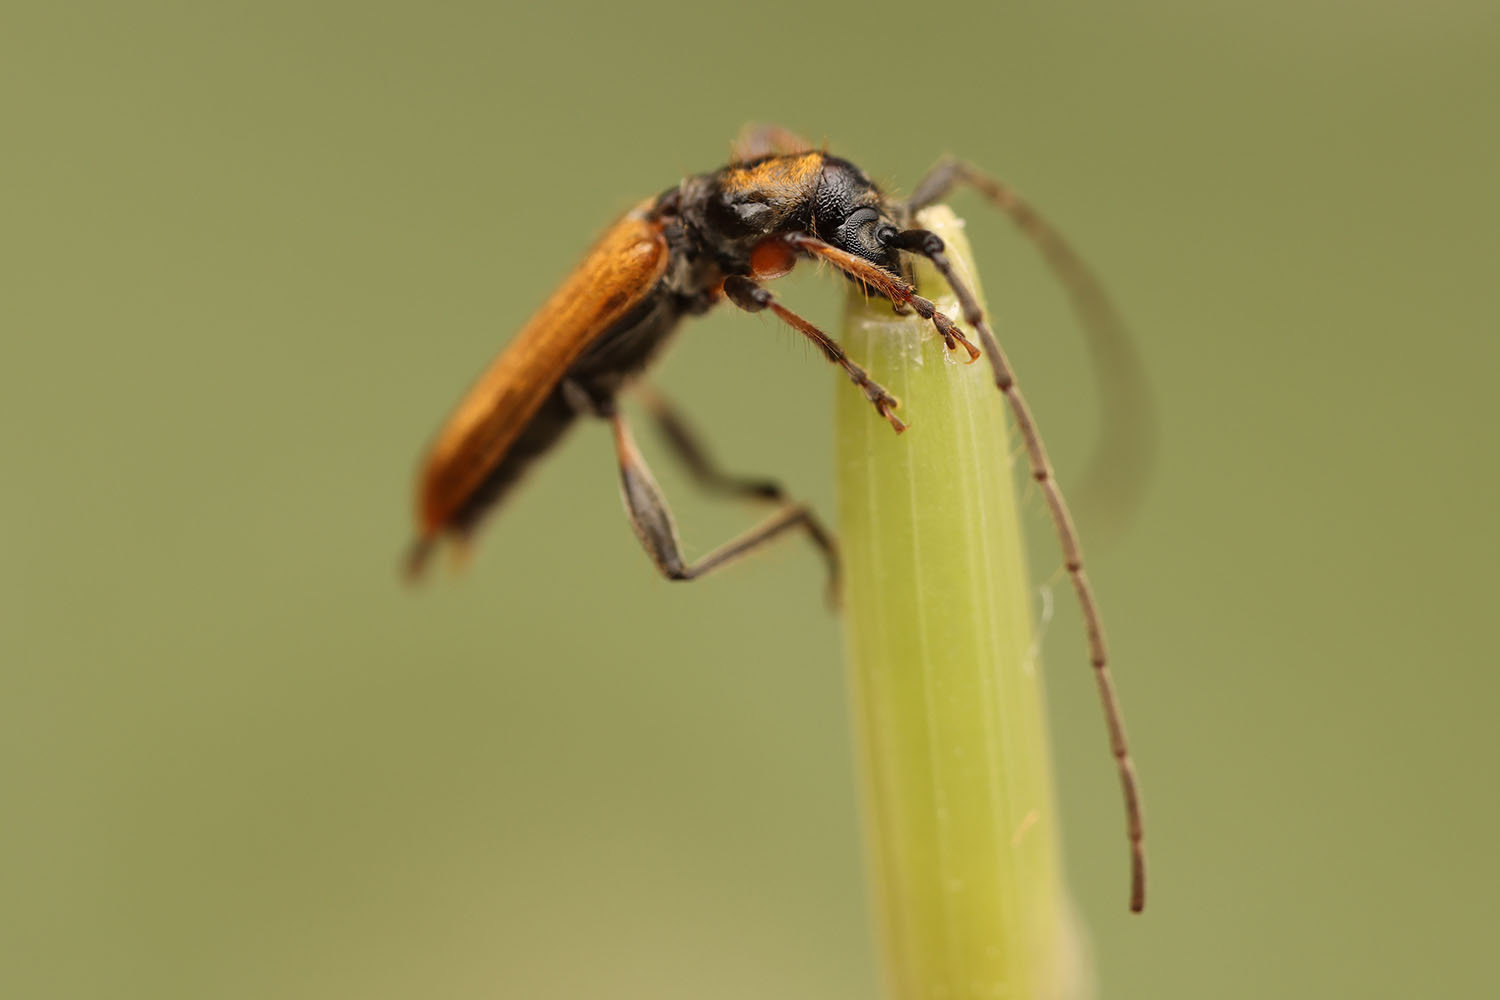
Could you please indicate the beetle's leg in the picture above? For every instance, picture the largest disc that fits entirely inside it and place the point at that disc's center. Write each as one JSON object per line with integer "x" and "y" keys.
{"x": 693, "y": 454}
{"x": 888, "y": 285}
{"x": 753, "y": 298}
{"x": 760, "y": 139}
{"x": 931, "y": 246}
{"x": 653, "y": 524}
{"x": 1120, "y": 465}
{"x": 689, "y": 448}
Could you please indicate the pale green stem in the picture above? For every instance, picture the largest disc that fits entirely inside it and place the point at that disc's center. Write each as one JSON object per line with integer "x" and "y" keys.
{"x": 960, "y": 813}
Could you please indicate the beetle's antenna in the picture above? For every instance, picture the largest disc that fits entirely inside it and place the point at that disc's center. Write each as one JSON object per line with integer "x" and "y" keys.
{"x": 930, "y": 246}
{"x": 1128, "y": 434}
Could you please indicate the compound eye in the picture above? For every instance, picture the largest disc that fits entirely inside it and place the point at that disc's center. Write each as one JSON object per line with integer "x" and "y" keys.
{"x": 858, "y": 231}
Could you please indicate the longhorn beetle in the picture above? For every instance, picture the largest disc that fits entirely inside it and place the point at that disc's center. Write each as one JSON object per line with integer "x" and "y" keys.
{"x": 718, "y": 237}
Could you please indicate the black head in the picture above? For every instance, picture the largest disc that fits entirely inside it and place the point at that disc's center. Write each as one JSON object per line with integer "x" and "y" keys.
{"x": 850, "y": 213}
{"x": 736, "y": 208}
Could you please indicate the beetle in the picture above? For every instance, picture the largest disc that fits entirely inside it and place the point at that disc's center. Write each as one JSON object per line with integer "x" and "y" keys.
{"x": 718, "y": 237}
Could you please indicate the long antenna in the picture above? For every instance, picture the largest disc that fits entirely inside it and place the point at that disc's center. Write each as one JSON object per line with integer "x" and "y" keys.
{"x": 1120, "y": 466}
{"x": 900, "y": 291}
{"x": 1067, "y": 535}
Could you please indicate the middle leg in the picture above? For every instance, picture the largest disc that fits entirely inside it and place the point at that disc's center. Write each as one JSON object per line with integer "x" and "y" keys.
{"x": 652, "y": 520}
{"x": 753, "y": 298}
{"x": 694, "y": 455}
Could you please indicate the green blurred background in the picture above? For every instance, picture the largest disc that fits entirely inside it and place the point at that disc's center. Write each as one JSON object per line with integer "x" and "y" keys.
{"x": 250, "y": 255}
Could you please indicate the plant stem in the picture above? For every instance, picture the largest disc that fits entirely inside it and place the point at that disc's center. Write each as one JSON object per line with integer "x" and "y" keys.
{"x": 960, "y": 813}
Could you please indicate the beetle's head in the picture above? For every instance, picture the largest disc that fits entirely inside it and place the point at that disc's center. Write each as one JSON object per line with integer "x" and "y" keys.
{"x": 814, "y": 193}
{"x": 850, "y": 213}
